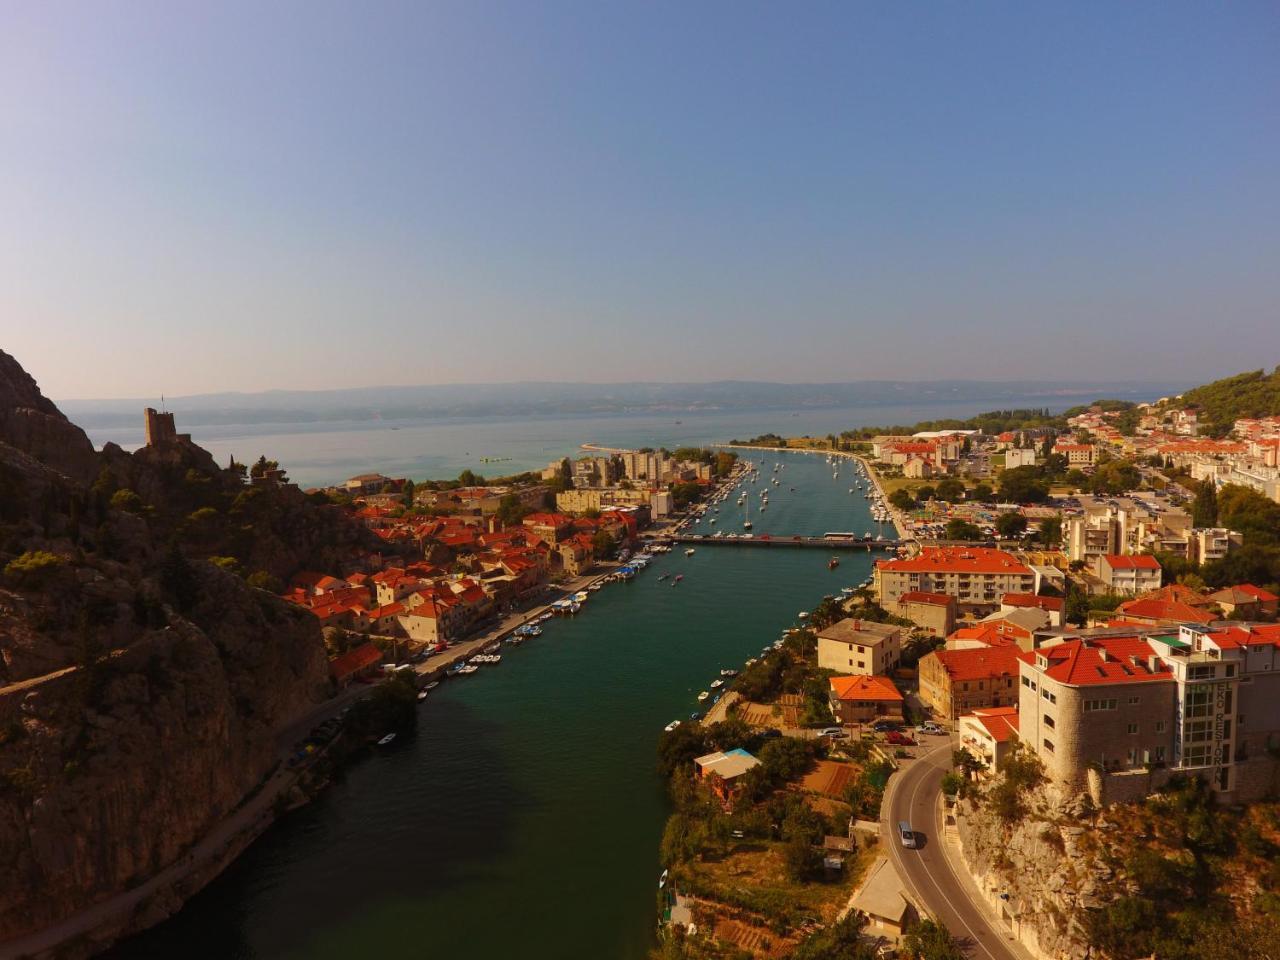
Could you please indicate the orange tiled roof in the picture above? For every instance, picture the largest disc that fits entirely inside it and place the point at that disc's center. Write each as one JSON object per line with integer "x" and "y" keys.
{"x": 983, "y": 560}
{"x": 864, "y": 688}
{"x": 1112, "y": 660}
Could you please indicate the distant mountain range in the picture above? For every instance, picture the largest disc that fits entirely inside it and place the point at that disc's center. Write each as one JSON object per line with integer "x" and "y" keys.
{"x": 550, "y": 399}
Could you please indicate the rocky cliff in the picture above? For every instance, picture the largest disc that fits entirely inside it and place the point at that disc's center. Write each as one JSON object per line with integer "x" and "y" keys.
{"x": 1043, "y": 868}
{"x": 1171, "y": 875}
{"x": 143, "y": 688}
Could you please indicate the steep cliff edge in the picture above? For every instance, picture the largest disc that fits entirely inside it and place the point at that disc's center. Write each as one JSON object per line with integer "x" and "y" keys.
{"x": 142, "y": 686}
{"x": 1172, "y": 875}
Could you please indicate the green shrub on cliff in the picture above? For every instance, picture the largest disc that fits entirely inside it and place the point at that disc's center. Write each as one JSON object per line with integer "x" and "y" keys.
{"x": 34, "y": 569}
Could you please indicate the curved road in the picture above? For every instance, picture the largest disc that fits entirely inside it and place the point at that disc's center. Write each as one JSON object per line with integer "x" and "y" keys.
{"x": 926, "y": 872}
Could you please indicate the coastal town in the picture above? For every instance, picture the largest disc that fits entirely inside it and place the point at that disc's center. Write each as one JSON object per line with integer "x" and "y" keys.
{"x": 1057, "y": 597}
{"x": 1020, "y": 628}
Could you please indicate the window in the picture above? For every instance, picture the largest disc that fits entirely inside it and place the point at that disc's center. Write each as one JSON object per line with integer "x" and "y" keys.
{"x": 1159, "y": 755}
{"x": 1048, "y": 721}
{"x": 1159, "y": 726}
{"x": 1203, "y": 671}
{"x": 1026, "y": 681}
{"x": 1048, "y": 744}
{"x": 1196, "y": 756}
{"x": 1092, "y": 705}
{"x": 1231, "y": 670}
{"x": 1133, "y": 728}
{"x": 1134, "y": 701}
{"x": 1047, "y": 695}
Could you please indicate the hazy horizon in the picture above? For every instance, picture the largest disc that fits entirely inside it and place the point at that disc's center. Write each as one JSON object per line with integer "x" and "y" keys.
{"x": 318, "y": 195}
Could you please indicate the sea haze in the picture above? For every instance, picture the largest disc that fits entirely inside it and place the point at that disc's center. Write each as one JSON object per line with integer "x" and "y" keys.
{"x": 321, "y": 450}
{"x": 518, "y": 399}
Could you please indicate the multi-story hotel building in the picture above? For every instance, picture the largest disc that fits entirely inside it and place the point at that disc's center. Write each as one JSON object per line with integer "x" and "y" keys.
{"x": 1119, "y": 715}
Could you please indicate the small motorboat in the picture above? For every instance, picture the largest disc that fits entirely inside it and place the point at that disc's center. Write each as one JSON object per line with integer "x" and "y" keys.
{"x": 662, "y": 576}
{"x": 703, "y": 696}
{"x": 833, "y": 563}
{"x": 716, "y": 683}
{"x": 432, "y": 685}
{"x": 690, "y": 552}
{"x": 679, "y": 577}
{"x": 422, "y": 695}
{"x": 386, "y": 740}
{"x": 803, "y": 614}
{"x": 662, "y": 880}
{"x": 671, "y": 726}
{"x": 728, "y": 673}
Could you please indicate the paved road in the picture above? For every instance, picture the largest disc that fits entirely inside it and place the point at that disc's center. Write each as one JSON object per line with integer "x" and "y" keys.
{"x": 926, "y": 872}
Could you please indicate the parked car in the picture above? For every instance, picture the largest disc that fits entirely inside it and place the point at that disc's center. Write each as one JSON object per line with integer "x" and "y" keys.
{"x": 770, "y": 734}
{"x": 834, "y": 733}
{"x": 883, "y": 726}
{"x": 900, "y": 739}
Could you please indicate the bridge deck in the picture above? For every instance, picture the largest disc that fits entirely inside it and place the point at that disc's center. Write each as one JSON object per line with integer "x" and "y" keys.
{"x": 774, "y": 540}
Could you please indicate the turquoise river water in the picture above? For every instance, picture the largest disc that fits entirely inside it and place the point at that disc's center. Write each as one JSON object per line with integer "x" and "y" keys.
{"x": 523, "y": 817}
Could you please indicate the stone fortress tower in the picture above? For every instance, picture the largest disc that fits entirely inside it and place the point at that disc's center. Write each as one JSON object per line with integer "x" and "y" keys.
{"x": 160, "y": 428}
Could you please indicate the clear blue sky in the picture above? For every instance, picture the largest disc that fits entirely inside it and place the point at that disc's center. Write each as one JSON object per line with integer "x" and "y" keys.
{"x": 199, "y": 197}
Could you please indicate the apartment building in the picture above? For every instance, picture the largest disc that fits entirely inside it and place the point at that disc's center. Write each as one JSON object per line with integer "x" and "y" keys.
{"x": 1131, "y": 575}
{"x": 860, "y": 647}
{"x": 953, "y": 682}
{"x": 1077, "y": 454}
{"x": 976, "y": 576}
{"x": 1211, "y": 543}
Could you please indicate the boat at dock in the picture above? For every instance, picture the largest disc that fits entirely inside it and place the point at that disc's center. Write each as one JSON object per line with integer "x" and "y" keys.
{"x": 386, "y": 740}
{"x": 704, "y": 695}
{"x": 671, "y": 726}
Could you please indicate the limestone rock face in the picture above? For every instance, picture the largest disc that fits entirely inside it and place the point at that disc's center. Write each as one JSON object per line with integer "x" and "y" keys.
{"x": 30, "y": 422}
{"x": 1048, "y": 865}
{"x": 143, "y": 689}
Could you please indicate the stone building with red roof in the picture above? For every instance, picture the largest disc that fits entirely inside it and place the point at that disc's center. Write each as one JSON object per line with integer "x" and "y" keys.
{"x": 953, "y": 682}
{"x": 1118, "y": 715}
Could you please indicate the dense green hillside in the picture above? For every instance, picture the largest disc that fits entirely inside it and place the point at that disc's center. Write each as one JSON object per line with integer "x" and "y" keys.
{"x": 1255, "y": 394}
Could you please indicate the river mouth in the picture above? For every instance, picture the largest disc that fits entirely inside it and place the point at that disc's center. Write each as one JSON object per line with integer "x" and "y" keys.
{"x": 525, "y": 812}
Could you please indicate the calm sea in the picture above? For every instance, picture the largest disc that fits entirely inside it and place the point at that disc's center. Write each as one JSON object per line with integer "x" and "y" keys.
{"x": 318, "y": 454}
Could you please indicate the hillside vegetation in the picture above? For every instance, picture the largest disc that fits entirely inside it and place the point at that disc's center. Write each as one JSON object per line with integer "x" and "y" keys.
{"x": 1254, "y": 394}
